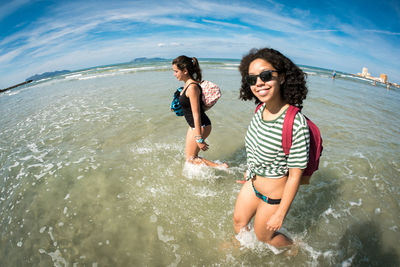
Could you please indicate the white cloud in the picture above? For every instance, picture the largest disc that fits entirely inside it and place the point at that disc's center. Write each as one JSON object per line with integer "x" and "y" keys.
{"x": 383, "y": 32}
{"x": 76, "y": 35}
{"x": 175, "y": 44}
{"x": 171, "y": 44}
{"x": 323, "y": 31}
{"x": 9, "y": 7}
{"x": 8, "y": 57}
{"x": 224, "y": 24}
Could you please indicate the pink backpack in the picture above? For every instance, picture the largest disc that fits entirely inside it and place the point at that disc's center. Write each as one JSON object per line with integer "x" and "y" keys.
{"x": 210, "y": 93}
{"x": 315, "y": 142}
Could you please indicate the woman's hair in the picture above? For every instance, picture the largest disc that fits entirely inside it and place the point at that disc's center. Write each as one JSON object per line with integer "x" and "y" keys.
{"x": 191, "y": 64}
{"x": 293, "y": 90}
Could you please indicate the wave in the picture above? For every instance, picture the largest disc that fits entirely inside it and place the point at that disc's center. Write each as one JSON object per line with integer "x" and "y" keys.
{"x": 73, "y": 76}
{"x": 231, "y": 64}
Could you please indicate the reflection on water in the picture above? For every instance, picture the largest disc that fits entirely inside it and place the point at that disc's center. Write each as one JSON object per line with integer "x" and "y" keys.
{"x": 92, "y": 173}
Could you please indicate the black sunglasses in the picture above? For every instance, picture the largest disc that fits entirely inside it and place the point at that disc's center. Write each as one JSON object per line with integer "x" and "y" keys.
{"x": 265, "y": 76}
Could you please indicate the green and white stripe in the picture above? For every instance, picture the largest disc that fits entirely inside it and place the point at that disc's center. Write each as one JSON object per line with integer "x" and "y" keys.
{"x": 265, "y": 156}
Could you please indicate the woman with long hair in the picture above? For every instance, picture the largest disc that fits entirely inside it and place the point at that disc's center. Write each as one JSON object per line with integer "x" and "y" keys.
{"x": 188, "y": 71}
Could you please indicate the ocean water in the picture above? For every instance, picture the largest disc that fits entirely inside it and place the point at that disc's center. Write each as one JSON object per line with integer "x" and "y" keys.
{"x": 92, "y": 174}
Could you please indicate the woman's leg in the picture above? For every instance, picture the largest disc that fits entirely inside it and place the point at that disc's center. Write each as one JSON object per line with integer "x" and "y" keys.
{"x": 248, "y": 204}
{"x": 245, "y": 207}
{"x": 192, "y": 150}
{"x": 276, "y": 239}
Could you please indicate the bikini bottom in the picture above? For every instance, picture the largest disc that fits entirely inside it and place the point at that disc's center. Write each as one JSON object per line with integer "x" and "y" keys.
{"x": 264, "y": 198}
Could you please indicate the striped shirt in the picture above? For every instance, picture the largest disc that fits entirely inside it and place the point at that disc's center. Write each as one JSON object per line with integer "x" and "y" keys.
{"x": 265, "y": 156}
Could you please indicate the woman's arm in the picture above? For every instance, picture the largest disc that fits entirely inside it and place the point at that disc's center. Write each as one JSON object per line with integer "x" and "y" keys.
{"x": 194, "y": 93}
{"x": 289, "y": 192}
{"x": 297, "y": 162}
{"x": 194, "y": 96}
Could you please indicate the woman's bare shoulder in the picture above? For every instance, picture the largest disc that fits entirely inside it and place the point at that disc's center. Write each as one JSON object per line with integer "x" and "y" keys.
{"x": 193, "y": 89}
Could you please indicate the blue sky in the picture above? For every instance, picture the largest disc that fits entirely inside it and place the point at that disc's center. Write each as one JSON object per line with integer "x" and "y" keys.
{"x": 38, "y": 36}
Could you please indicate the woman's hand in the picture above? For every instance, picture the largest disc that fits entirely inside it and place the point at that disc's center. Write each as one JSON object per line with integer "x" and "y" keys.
{"x": 203, "y": 146}
{"x": 275, "y": 222}
{"x": 244, "y": 179}
{"x": 292, "y": 185}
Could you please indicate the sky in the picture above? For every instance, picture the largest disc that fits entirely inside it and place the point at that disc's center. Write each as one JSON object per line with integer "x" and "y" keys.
{"x": 41, "y": 36}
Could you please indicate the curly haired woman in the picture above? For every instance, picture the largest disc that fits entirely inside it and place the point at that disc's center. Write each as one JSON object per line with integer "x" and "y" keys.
{"x": 274, "y": 81}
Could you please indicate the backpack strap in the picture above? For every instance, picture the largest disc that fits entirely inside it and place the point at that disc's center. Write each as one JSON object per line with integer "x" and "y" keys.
{"x": 258, "y": 107}
{"x": 287, "y": 130}
{"x": 184, "y": 89}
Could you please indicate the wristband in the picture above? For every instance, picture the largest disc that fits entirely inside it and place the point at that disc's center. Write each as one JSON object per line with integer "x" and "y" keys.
{"x": 200, "y": 140}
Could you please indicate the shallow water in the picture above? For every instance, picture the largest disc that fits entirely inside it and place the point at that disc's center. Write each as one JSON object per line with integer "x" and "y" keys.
{"x": 93, "y": 174}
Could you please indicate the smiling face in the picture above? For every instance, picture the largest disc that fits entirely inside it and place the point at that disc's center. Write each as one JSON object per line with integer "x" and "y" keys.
{"x": 265, "y": 91}
{"x": 180, "y": 75}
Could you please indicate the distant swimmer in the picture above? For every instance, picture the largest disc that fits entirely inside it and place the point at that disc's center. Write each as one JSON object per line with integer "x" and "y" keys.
{"x": 188, "y": 71}
{"x": 333, "y": 74}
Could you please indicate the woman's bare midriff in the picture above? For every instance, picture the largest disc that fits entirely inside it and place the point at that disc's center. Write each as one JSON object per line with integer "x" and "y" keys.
{"x": 270, "y": 187}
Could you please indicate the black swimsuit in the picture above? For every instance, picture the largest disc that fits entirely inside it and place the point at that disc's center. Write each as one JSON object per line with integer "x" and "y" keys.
{"x": 187, "y": 110}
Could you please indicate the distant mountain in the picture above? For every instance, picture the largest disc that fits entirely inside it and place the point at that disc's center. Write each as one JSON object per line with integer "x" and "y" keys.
{"x": 145, "y": 59}
{"x": 47, "y": 75}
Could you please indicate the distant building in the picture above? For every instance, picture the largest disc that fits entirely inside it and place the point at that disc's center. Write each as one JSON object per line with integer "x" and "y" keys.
{"x": 365, "y": 72}
{"x": 383, "y": 78}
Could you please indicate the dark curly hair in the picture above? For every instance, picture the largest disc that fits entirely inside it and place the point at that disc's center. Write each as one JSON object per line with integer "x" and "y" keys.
{"x": 293, "y": 90}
